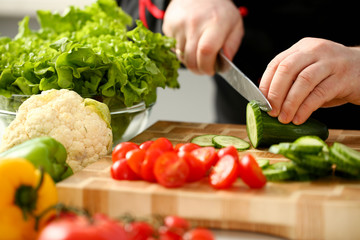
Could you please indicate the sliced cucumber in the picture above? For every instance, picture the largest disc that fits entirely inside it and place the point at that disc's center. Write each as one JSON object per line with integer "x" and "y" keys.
{"x": 349, "y": 153}
{"x": 342, "y": 163}
{"x": 263, "y": 163}
{"x": 280, "y": 171}
{"x": 309, "y": 144}
{"x": 204, "y": 140}
{"x": 221, "y": 141}
{"x": 264, "y": 130}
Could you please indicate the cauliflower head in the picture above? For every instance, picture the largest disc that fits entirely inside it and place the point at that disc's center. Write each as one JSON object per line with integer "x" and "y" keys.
{"x": 81, "y": 125}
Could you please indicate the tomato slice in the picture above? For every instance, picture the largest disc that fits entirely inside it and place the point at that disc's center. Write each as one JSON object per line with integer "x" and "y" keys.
{"x": 224, "y": 173}
{"x": 197, "y": 168}
{"x": 250, "y": 172}
{"x": 228, "y": 150}
{"x": 135, "y": 158}
{"x": 207, "y": 155}
{"x": 163, "y": 144}
{"x": 147, "y": 167}
{"x": 120, "y": 150}
{"x": 170, "y": 170}
{"x": 186, "y": 147}
{"x": 120, "y": 170}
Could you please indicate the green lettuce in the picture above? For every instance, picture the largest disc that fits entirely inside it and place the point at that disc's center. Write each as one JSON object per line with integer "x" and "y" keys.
{"x": 89, "y": 51}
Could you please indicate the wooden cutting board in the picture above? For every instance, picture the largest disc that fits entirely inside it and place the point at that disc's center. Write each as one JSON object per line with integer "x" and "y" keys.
{"x": 322, "y": 209}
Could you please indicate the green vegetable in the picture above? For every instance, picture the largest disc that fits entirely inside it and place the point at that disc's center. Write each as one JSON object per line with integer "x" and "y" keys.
{"x": 43, "y": 152}
{"x": 222, "y": 141}
{"x": 204, "y": 140}
{"x": 346, "y": 159}
{"x": 264, "y": 130}
{"x": 91, "y": 52}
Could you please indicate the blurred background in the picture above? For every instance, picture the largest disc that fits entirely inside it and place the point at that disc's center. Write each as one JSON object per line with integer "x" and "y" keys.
{"x": 192, "y": 102}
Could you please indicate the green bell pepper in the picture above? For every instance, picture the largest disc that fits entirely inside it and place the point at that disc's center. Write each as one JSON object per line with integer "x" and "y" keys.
{"x": 43, "y": 152}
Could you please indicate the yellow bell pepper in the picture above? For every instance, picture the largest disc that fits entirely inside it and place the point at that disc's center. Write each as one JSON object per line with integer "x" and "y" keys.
{"x": 26, "y": 194}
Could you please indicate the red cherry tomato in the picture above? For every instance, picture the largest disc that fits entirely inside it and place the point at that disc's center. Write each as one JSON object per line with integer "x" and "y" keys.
{"x": 145, "y": 145}
{"x": 197, "y": 168}
{"x": 147, "y": 167}
{"x": 170, "y": 170}
{"x": 82, "y": 228}
{"x": 165, "y": 233}
{"x": 163, "y": 144}
{"x": 250, "y": 172}
{"x": 207, "y": 155}
{"x": 120, "y": 170}
{"x": 186, "y": 147}
{"x": 224, "y": 173}
{"x": 121, "y": 149}
{"x": 176, "y": 224}
{"x": 228, "y": 150}
{"x": 135, "y": 158}
{"x": 199, "y": 234}
{"x": 139, "y": 231}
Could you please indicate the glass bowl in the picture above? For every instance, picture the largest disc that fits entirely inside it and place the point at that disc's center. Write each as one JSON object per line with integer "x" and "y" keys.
{"x": 126, "y": 122}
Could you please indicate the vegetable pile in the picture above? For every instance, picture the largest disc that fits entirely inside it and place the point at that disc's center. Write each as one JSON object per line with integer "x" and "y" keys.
{"x": 91, "y": 52}
{"x": 173, "y": 166}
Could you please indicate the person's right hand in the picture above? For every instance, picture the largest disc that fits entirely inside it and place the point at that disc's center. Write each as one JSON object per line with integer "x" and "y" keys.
{"x": 201, "y": 28}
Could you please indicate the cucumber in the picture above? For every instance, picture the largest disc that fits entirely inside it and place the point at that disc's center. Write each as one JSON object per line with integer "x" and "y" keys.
{"x": 309, "y": 144}
{"x": 263, "y": 163}
{"x": 264, "y": 130}
{"x": 349, "y": 153}
{"x": 204, "y": 140}
{"x": 342, "y": 163}
{"x": 280, "y": 171}
{"x": 221, "y": 141}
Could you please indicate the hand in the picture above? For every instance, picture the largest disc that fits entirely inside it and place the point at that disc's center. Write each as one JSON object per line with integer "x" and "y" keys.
{"x": 201, "y": 28}
{"x": 313, "y": 73}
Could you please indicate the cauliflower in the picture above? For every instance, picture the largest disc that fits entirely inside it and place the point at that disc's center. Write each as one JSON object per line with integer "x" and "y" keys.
{"x": 81, "y": 125}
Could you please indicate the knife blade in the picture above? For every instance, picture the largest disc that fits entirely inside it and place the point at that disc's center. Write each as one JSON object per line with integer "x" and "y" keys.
{"x": 240, "y": 82}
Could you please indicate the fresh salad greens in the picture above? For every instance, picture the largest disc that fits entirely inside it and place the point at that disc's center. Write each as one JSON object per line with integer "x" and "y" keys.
{"x": 89, "y": 51}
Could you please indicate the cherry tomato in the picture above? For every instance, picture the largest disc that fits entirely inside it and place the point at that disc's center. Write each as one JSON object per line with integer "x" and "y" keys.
{"x": 250, "y": 172}
{"x": 207, "y": 155}
{"x": 165, "y": 233}
{"x": 82, "y": 228}
{"x": 199, "y": 234}
{"x": 120, "y": 170}
{"x": 224, "y": 173}
{"x": 139, "y": 231}
{"x": 186, "y": 147}
{"x": 171, "y": 170}
{"x": 121, "y": 149}
{"x": 135, "y": 158}
{"x": 197, "y": 168}
{"x": 147, "y": 167}
{"x": 145, "y": 145}
{"x": 163, "y": 144}
{"x": 176, "y": 224}
{"x": 228, "y": 150}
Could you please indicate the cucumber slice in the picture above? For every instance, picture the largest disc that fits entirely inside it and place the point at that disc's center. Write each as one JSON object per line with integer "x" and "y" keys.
{"x": 309, "y": 144}
{"x": 264, "y": 130}
{"x": 349, "y": 153}
{"x": 221, "y": 141}
{"x": 263, "y": 163}
{"x": 316, "y": 164}
{"x": 204, "y": 140}
{"x": 280, "y": 171}
{"x": 342, "y": 163}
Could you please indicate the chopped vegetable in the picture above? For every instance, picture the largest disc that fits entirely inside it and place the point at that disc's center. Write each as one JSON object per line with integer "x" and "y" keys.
{"x": 65, "y": 116}
{"x": 43, "y": 152}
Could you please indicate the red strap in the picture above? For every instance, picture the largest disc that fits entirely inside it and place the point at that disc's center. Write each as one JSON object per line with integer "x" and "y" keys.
{"x": 159, "y": 14}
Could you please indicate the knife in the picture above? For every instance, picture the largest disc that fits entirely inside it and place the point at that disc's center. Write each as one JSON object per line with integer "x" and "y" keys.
{"x": 240, "y": 82}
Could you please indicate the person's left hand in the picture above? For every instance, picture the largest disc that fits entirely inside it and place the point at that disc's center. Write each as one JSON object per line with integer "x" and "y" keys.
{"x": 313, "y": 73}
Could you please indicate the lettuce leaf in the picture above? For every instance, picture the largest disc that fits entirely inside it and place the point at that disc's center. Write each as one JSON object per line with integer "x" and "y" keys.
{"x": 90, "y": 51}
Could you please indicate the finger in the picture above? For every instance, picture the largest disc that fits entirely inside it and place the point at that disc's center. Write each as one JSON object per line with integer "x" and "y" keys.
{"x": 190, "y": 51}
{"x": 233, "y": 41}
{"x": 305, "y": 83}
{"x": 322, "y": 93}
{"x": 283, "y": 78}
